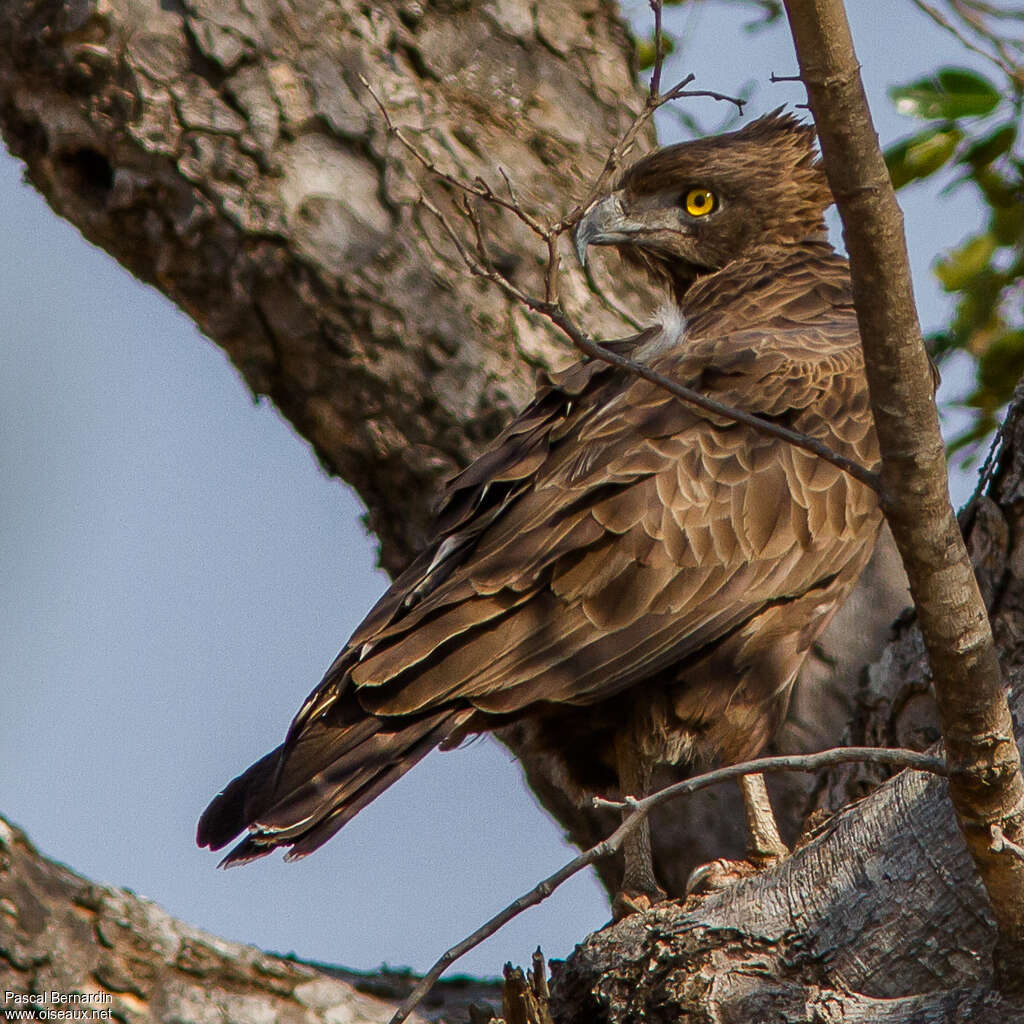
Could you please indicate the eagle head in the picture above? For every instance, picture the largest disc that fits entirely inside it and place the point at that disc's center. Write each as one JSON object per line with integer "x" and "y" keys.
{"x": 690, "y": 209}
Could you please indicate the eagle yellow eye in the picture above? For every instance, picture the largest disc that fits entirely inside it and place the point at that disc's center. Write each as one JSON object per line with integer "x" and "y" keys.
{"x": 699, "y": 202}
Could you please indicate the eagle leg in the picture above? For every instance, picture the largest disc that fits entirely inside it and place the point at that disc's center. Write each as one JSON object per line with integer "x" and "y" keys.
{"x": 639, "y": 889}
{"x": 764, "y": 844}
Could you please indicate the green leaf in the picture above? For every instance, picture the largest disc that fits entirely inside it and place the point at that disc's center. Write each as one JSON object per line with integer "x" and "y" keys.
{"x": 997, "y": 189}
{"x": 956, "y": 270}
{"x": 990, "y": 147}
{"x": 1007, "y": 224}
{"x": 1000, "y": 366}
{"x": 948, "y": 94}
{"x": 646, "y": 53}
{"x": 921, "y": 155}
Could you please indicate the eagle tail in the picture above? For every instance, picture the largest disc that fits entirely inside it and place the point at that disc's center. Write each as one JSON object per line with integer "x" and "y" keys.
{"x": 300, "y": 794}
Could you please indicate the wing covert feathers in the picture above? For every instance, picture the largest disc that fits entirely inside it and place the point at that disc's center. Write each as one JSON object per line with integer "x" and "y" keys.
{"x": 611, "y": 537}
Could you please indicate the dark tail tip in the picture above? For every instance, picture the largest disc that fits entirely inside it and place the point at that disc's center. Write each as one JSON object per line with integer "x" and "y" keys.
{"x": 229, "y": 812}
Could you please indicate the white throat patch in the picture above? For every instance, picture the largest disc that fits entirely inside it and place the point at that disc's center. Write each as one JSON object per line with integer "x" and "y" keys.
{"x": 672, "y": 333}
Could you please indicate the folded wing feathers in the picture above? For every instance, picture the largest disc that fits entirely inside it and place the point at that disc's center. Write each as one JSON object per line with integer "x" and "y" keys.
{"x": 610, "y": 533}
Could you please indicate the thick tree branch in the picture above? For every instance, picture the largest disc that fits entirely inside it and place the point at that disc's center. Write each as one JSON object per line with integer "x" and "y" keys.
{"x": 231, "y": 157}
{"x": 984, "y": 765}
{"x": 639, "y": 810}
{"x": 62, "y": 933}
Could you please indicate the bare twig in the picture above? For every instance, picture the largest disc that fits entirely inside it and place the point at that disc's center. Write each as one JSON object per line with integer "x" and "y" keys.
{"x": 654, "y": 101}
{"x": 994, "y": 11}
{"x": 973, "y": 15}
{"x": 940, "y": 19}
{"x": 478, "y": 187}
{"x": 619, "y": 151}
{"x": 480, "y": 265}
{"x": 639, "y": 809}
{"x": 991, "y": 463}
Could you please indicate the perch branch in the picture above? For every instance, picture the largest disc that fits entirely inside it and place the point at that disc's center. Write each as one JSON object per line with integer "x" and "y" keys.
{"x": 639, "y": 809}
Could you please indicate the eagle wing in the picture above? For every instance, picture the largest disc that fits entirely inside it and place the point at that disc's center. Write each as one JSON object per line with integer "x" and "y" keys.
{"x": 609, "y": 534}
{"x": 613, "y": 531}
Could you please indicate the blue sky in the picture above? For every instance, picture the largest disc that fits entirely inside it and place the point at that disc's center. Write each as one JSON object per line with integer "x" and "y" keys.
{"x": 179, "y": 572}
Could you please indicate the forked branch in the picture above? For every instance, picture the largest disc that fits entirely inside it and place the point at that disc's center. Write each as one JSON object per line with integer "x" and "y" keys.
{"x": 475, "y": 255}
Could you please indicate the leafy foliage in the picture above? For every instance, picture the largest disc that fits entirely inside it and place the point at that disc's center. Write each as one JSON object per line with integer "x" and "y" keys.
{"x": 972, "y": 133}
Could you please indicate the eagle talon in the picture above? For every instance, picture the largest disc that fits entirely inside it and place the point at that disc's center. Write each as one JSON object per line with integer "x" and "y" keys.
{"x": 718, "y": 874}
{"x": 627, "y": 902}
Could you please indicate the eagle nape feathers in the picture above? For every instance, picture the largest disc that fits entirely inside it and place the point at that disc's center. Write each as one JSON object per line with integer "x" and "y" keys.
{"x": 628, "y": 578}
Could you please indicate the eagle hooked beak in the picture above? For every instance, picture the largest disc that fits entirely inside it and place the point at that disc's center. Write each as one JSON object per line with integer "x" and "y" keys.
{"x": 605, "y": 223}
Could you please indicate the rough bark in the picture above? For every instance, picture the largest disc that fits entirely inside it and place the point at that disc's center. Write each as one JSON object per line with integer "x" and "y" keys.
{"x": 229, "y": 154}
{"x": 62, "y": 933}
{"x": 985, "y": 780}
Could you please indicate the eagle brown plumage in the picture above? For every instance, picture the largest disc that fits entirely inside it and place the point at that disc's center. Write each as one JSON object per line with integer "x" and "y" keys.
{"x": 633, "y": 579}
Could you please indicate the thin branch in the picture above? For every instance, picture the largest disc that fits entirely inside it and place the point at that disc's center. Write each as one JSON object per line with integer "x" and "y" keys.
{"x": 478, "y": 187}
{"x": 993, "y": 11}
{"x": 618, "y": 152}
{"x": 986, "y": 785}
{"x": 654, "y": 101}
{"x": 991, "y": 463}
{"x": 639, "y": 810}
{"x": 972, "y": 16}
{"x": 659, "y": 48}
{"x": 480, "y": 264}
{"x": 555, "y": 312}
{"x": 943, "y": 22}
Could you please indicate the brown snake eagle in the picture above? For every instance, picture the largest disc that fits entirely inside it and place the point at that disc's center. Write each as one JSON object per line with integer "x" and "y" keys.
{"x": 632, "y": 579}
